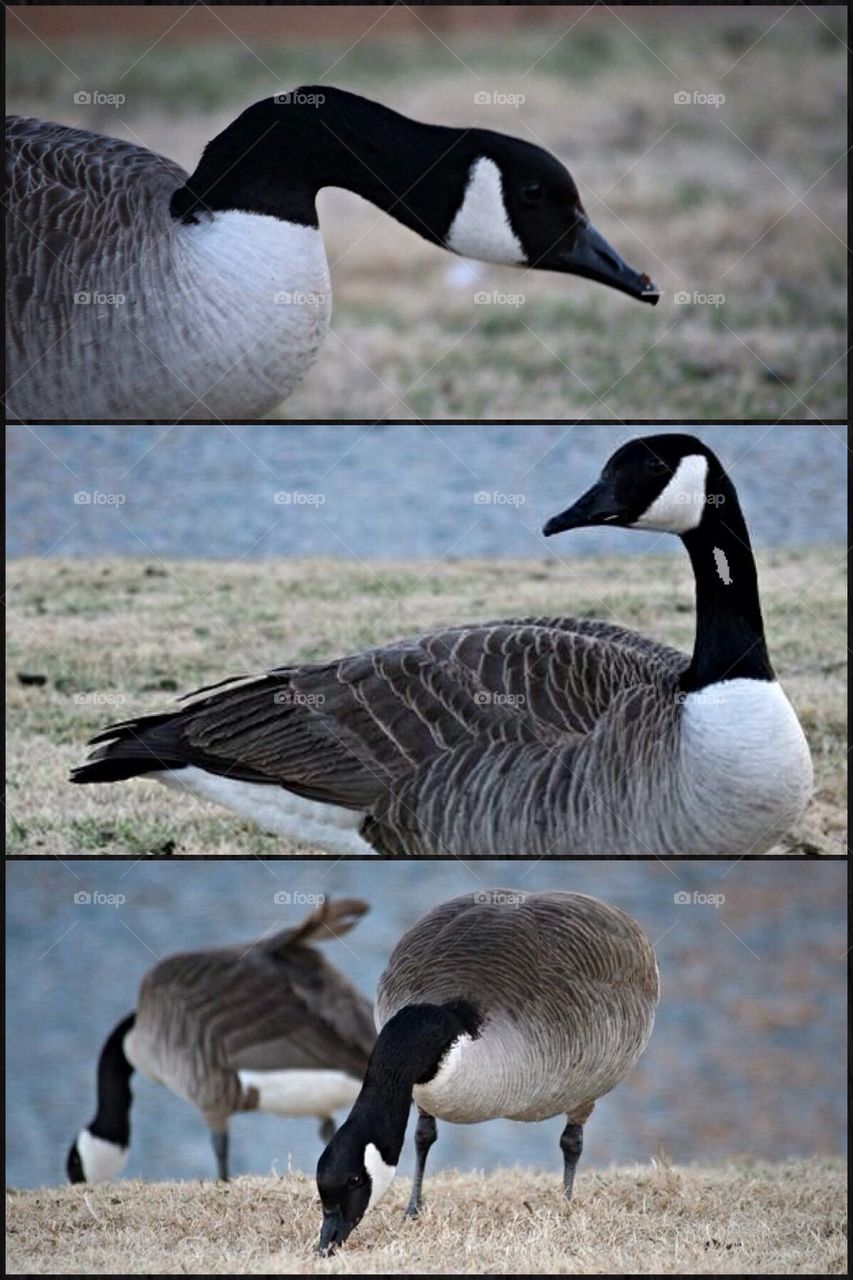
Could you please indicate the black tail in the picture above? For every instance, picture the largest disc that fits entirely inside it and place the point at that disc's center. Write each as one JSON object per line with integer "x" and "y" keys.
{"x": 134, "y": 747}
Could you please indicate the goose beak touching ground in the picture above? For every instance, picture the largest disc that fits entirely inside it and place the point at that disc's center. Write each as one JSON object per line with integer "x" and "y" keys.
{"x": 468, "y": 1034}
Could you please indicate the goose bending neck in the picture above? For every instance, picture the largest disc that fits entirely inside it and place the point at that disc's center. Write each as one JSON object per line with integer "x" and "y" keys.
{"x": 276, "y": 156}
{"x": 409, "y": 1050}
{"x": 730, "y": 641}
{"x": 112, "y": 1119}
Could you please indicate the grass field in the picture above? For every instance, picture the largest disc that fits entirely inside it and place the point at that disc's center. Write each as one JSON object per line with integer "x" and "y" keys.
{"x": 106, "y": 640}
{"x": 740, "y": 1218}
{"x": 746, "y": 200}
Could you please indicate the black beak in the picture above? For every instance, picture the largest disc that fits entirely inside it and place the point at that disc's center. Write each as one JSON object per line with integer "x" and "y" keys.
{"x": 597, "y": 506}
{"x": 594, "y": 258}
{"x": 333, "y": 1232}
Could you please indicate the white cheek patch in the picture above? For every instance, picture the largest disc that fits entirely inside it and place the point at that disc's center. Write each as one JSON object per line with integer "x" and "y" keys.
{"x": 481, "y": 228}
{"x": 381, "y": 1174}
{"x": 681, "y": 505}
{"x": 101, "y": 1160}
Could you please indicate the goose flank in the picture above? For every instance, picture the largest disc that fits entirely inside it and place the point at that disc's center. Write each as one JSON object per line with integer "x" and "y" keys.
{"x": 521, "y": 737}
{"x": 497, "y": 1003}
{"x": 268, "y": 1026}
{"x": 208, "y": 296}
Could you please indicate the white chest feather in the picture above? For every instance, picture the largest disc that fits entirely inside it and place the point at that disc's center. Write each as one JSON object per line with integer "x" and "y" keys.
{"x": 302, "y": 1093}
{"x": 481, "y": 228}
{"x": 745, "y": 763}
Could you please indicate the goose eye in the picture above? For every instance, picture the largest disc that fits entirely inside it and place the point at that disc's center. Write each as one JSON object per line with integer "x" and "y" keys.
{"x": 532, "y": 192}
{"x": 657, "y": 466}
{"x": 354, "y": 1180}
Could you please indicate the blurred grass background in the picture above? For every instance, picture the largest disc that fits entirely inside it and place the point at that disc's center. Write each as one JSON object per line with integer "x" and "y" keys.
{"x": 747, "y": 199}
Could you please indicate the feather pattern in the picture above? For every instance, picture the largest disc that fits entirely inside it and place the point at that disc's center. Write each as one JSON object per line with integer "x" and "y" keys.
{"x": 271, "y": 1005}
{"x": 566, "y": 987}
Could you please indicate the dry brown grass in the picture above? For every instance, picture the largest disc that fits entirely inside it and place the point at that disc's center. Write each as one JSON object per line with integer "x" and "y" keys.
{"x": 740, "y": 1218}
{"x": 118, "y": 638}
{"x": 704, "y": 200}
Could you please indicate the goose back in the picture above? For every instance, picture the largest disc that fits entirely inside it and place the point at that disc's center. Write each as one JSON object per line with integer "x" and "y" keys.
{"x": 273, "y": 1005}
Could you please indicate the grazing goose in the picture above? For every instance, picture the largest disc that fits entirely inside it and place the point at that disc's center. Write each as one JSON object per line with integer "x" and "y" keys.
{"x": 528, "y": 737}
{"x": 265, "y": 1026}
{"x": 137, "y": 291}
{"x": 524, "y": 1006}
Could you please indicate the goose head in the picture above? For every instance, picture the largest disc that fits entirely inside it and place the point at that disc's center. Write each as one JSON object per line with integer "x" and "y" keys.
{"x": 352, "y": 1175}
{"x": 664, "y": 483}
{"x": 518, "y": 205}
{"x": 94, "y": 1159}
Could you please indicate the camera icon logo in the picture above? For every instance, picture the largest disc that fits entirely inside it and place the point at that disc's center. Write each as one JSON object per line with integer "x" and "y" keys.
{"x": 82, "y": 898}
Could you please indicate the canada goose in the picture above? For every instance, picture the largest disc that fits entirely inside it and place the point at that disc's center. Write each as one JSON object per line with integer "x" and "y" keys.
{"x": 497, "y": 1003}
{"x": 527, "y": 737}
{"x": 137, "y": 291}
{"x": 265, "y": 1026}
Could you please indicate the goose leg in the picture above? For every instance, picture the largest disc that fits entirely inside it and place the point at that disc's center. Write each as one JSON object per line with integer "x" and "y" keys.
{"x": 425, "y": 1135}
{"x": 328, "y": 1129}
{"x": 220, "y": 1150}
{"x": 571, "y": 1145}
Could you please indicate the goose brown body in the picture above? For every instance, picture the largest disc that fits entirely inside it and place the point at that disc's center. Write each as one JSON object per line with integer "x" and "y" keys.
{"x": 565, "y": 985}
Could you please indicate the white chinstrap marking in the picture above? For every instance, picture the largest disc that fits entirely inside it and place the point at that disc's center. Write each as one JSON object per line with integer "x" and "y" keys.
{"x": 381, "y": 1174}
{"x": 722, "y": 566}
{"x": 481, "y": 228}
{"x": 274, "y": 809}
{"x": 101, "y": 1160}
{"x": 302, "y": 1092}
{"x": 681, "y": 504}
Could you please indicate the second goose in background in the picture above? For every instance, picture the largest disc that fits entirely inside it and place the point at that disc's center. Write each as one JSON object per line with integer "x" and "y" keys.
{"x": 264, "y": 1026}
{"x": 525, "y": 737}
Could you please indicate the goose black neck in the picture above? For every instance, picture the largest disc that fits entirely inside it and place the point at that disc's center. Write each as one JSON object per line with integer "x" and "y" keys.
{"x": 408, "y": 1051}
{"x": 276, "y": 156}
{"x": 112, "y": 1120}
{"x": 730, "y": 641}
